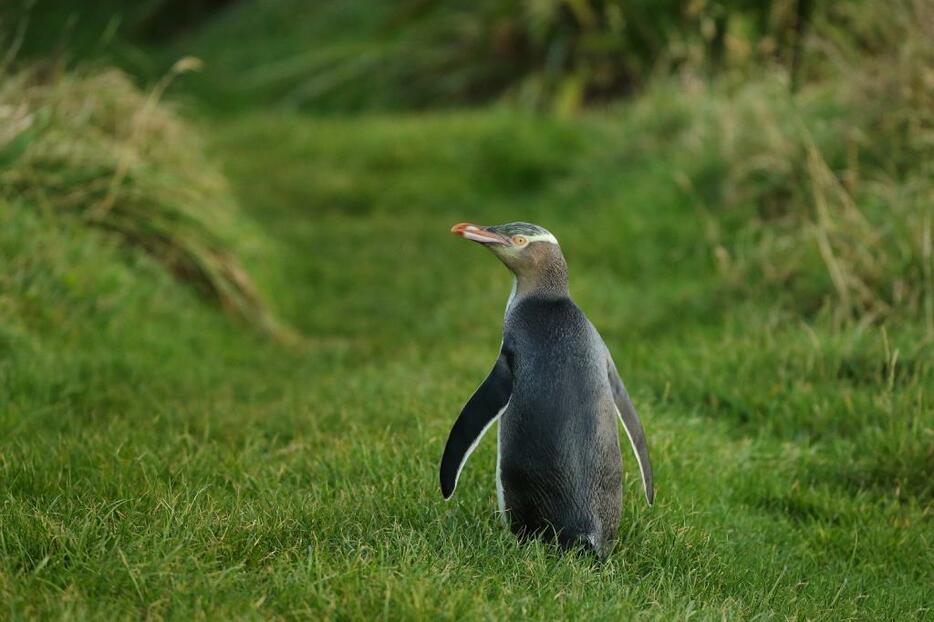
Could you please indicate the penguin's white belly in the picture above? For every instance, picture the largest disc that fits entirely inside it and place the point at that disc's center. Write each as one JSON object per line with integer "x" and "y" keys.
{"x": 500, "y": 497}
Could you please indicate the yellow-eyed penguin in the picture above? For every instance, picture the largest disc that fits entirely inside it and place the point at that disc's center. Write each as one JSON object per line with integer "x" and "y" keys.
{"x": 556, "y": 393}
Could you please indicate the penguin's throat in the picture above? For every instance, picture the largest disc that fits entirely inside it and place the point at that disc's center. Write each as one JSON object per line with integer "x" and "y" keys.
{"x": 550, "y": 280}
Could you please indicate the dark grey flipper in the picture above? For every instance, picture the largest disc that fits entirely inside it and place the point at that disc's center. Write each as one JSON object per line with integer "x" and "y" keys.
{"x": 635, "y": 432}
{"x": 483, "y": 408}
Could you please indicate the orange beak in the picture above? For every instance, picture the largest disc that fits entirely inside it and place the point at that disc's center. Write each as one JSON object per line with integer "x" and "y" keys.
{"x": 479, "y": 234}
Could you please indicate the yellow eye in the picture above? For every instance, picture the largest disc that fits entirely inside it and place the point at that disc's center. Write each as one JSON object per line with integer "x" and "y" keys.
{"x": 518, "y": 240}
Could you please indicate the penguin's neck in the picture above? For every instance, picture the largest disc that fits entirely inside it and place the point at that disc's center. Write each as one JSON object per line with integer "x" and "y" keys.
{"x": 549, "y": 281}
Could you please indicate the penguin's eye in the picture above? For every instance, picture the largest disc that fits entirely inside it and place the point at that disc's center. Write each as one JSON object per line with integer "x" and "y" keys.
{"x": 519, "y": 240}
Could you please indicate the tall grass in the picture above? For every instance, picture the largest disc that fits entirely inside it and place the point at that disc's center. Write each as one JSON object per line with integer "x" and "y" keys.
{"x": 825, "y": 197}
{"x": 92, "y": 146}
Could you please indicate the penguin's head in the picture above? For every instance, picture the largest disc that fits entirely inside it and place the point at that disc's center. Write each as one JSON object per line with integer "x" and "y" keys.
{"x": 526, "y": 249}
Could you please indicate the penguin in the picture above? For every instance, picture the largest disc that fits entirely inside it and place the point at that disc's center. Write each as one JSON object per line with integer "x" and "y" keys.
{"x": 556, "y": 394}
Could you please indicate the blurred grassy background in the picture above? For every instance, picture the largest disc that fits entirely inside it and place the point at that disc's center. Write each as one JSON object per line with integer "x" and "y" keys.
{"x": 234, "y": 331}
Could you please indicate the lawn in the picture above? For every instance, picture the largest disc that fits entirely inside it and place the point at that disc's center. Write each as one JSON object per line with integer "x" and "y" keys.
{"x": 158, "y": 459}
{"x": 163, "y": 459}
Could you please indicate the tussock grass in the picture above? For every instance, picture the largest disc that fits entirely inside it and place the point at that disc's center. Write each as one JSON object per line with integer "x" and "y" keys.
{"x": 92, "y": 146}
{"x": 823, "y": 198}
{"x": 859, "y": 242}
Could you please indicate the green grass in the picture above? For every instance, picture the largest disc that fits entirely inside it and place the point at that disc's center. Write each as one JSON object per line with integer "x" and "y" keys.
{"x": 760, "y": 265}
{"x": 157, "y": 459}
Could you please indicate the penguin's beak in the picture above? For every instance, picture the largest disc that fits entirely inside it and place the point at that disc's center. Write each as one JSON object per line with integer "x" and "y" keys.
{"x": 479, "y": 234}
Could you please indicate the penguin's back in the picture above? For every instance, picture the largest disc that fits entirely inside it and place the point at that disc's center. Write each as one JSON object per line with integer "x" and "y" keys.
{"x": 560, "y": 465}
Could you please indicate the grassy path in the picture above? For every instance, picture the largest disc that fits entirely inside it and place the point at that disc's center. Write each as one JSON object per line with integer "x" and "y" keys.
{"x": 156, "y": 459}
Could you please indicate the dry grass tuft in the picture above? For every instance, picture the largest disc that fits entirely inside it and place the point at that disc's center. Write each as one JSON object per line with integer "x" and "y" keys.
{"x": 94, "y": 147}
